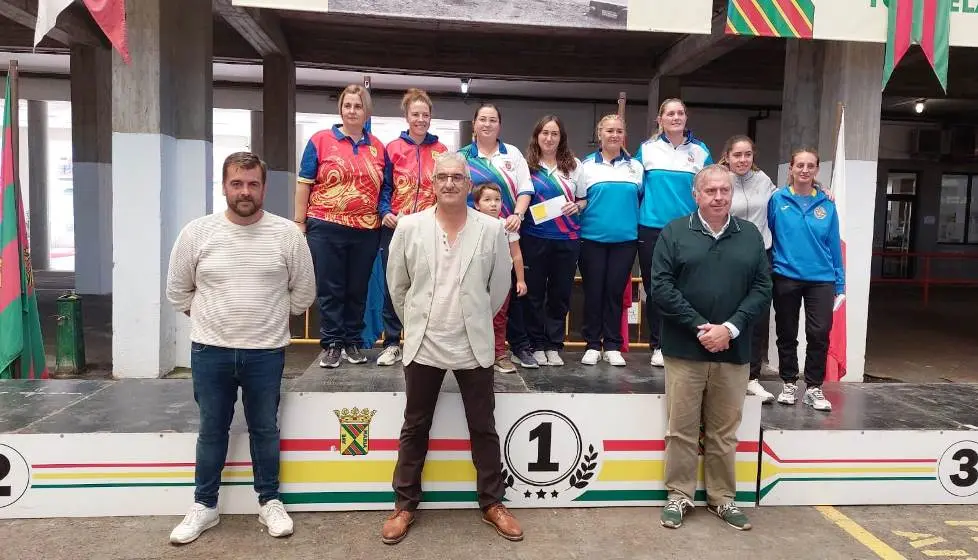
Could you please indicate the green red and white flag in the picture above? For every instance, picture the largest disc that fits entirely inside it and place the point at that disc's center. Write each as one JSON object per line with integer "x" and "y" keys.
{"x": 21, "y": 346}
{"x": 923, "y": 22}
{"x": 835, "y": 366}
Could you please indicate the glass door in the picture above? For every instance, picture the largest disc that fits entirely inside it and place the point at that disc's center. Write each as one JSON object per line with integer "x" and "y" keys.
{"x": 901, "y": 197}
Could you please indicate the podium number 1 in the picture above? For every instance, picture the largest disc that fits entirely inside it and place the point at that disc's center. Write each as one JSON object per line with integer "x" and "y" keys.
{"x": 543, "y": 434}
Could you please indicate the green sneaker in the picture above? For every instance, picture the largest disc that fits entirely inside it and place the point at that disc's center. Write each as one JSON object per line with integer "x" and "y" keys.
{"x": 732, "y": 515}
{"x": 672, "y": 514}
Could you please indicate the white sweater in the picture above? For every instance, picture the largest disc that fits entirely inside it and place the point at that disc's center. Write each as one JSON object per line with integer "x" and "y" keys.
{"x": 241, "y": 283}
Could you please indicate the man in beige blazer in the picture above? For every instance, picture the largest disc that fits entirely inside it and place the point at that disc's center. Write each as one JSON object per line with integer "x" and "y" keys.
{"x": 448, "y": 272}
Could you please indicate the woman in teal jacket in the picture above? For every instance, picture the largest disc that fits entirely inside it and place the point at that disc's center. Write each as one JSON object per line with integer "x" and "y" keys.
{"x": 807, "y": 266}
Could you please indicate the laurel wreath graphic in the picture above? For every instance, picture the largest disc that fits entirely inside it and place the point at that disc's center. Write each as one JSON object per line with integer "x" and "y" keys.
{"x": 582, "y": 476}
{"x": 508, "y": 479}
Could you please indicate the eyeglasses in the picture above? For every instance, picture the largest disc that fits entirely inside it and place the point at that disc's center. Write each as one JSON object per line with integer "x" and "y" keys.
{"x": 455, "y": 177}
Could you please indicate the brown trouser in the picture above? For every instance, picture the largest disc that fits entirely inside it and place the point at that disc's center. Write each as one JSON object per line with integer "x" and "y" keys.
{"x": 423, "y": 385}
{"x": 710, "y": 393}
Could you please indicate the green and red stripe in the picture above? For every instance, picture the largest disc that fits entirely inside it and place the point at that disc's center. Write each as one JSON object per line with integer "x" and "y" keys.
{"x": 21, "y": 347}
{"x": 923, "y": 22}
{"x": 771, "y": 18}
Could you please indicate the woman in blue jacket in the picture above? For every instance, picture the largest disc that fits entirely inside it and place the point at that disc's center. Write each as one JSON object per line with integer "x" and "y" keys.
{"x": 671, "y": 158}
{"x": 807, "y": 266}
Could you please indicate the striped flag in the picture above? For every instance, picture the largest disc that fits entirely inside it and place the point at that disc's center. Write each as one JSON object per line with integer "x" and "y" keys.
{"x": 923, "y": 22}
{"x": 21, "y": 347}
{"x": 835, "y": 366}
{"x": 771, "y": 18}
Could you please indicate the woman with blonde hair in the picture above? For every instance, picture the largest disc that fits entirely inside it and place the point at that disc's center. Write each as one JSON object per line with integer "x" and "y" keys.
{"x": 752, "y": 189}
{"x": 341, "y": 175}
{"x": 409, "y": 190}
{"x": 609, "y": 192}
{"x": 671, "y": 158}
{"x": 808, "y": 268}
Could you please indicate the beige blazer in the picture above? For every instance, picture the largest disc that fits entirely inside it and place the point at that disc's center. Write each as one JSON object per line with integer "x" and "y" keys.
{"x": 485, "y": 268}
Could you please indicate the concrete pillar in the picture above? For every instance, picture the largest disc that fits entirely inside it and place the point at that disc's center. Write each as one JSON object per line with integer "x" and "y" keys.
{"x": 803, "y": 66}
{"x": 851, "y": 77}
{"x": 91, "y": 154}
{"x": 848, "y": 73}
{"x": 37, "y": 160}
{"x": 162, "y": 149}
{"x": 660, "y": 89}
{"x": 275, "y": 142}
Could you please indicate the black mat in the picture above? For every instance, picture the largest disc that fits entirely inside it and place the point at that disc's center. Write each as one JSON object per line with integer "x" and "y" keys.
{"x": 157, "y": 405}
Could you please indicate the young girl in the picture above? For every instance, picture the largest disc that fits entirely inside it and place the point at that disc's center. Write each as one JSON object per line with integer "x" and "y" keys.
{"x": 807, "y": 268}
{"x": 488, "y": 200}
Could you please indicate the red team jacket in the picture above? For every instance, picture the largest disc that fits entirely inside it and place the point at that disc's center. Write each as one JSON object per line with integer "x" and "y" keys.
{"x": 409, "y": 189}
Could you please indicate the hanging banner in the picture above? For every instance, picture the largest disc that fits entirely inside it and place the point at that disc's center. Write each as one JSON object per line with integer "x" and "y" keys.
{"x": 866, "y": 20}
{"x": 686, "y": 16}
{"x": 836, "y": 20}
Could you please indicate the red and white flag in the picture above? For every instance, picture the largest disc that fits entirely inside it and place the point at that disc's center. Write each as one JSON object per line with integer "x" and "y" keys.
{"x": 47, "y": 16}
{"x": 835, "y": 367}
{"x": 110, "y": 15}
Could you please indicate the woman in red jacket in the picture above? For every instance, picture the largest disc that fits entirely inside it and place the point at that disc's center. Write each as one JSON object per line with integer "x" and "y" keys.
{"x": 412, "y": 158}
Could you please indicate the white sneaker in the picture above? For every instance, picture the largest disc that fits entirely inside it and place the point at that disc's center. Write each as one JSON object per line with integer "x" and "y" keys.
{"x": 591, "y": 357}
{"x": 755, "y": 388}
{"x": 541, "y": 357}
{"x": 390, "y": 356}
{"x": 788, "y": 392}
{"x": 657, "y": 359}
{"x": 614, "y": 358}
{"x": 815, "y": 398}
{"x": 274, "y": 516}
{"x": 199, "y": 519}
{"x": 553, "y": 358}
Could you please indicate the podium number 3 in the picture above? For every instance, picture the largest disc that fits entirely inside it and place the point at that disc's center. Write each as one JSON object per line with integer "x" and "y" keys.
{"x": 544, "y": 435}
{"x": 967, "y": 462}
{"x": 4, "y": 471}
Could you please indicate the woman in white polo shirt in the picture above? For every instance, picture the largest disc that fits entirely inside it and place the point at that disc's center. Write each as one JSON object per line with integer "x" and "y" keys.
{"x": 609, "y": 191}
{"x": 671, "y": 158}
{"x": 493, "y": 161}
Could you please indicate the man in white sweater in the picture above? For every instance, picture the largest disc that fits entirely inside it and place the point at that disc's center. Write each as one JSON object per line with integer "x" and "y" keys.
{"x": 239, "y": 275}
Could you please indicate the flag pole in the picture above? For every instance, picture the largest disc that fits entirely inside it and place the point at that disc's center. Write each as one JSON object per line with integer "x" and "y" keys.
{"x": 14, "y": 101}
{"x": 840, "y": 107}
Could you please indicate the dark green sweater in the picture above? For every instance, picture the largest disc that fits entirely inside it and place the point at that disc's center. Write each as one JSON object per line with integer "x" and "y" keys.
{"x": 697, "y": 279}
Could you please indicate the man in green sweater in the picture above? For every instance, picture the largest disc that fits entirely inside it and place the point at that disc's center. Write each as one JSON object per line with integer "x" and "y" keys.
{"x": 711, "y": 280}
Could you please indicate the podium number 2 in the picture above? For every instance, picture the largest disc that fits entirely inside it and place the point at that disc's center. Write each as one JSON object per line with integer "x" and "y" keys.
{"x": 4, "y": 471}
{"x": 543, "y": 434}
{"x": 967, "y": 475}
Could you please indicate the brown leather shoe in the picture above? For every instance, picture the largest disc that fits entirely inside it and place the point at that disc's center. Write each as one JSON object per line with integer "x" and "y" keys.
{"x": 396, "y": 527}
{"x": 506, "y": 525}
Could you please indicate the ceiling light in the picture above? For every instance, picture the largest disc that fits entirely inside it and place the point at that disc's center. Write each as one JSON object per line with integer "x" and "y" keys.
{"x": 464, "y": 85}
{"x": 919, "y": 107}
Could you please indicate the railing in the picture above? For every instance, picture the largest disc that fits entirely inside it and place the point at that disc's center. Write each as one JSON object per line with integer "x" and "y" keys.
{"x": 635, "y": 330}
{"x": 927, "y": 276}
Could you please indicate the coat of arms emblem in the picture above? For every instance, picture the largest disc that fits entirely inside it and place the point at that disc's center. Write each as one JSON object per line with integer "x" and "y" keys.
{"x": 354, "y": 430}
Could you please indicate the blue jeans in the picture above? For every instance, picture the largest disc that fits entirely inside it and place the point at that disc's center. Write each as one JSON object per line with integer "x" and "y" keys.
{"x": 217, "y": 374}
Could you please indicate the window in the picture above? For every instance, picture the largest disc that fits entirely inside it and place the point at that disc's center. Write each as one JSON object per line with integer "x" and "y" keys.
{"x": 959, "y": 209}
{"x": 954, "y": 207}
